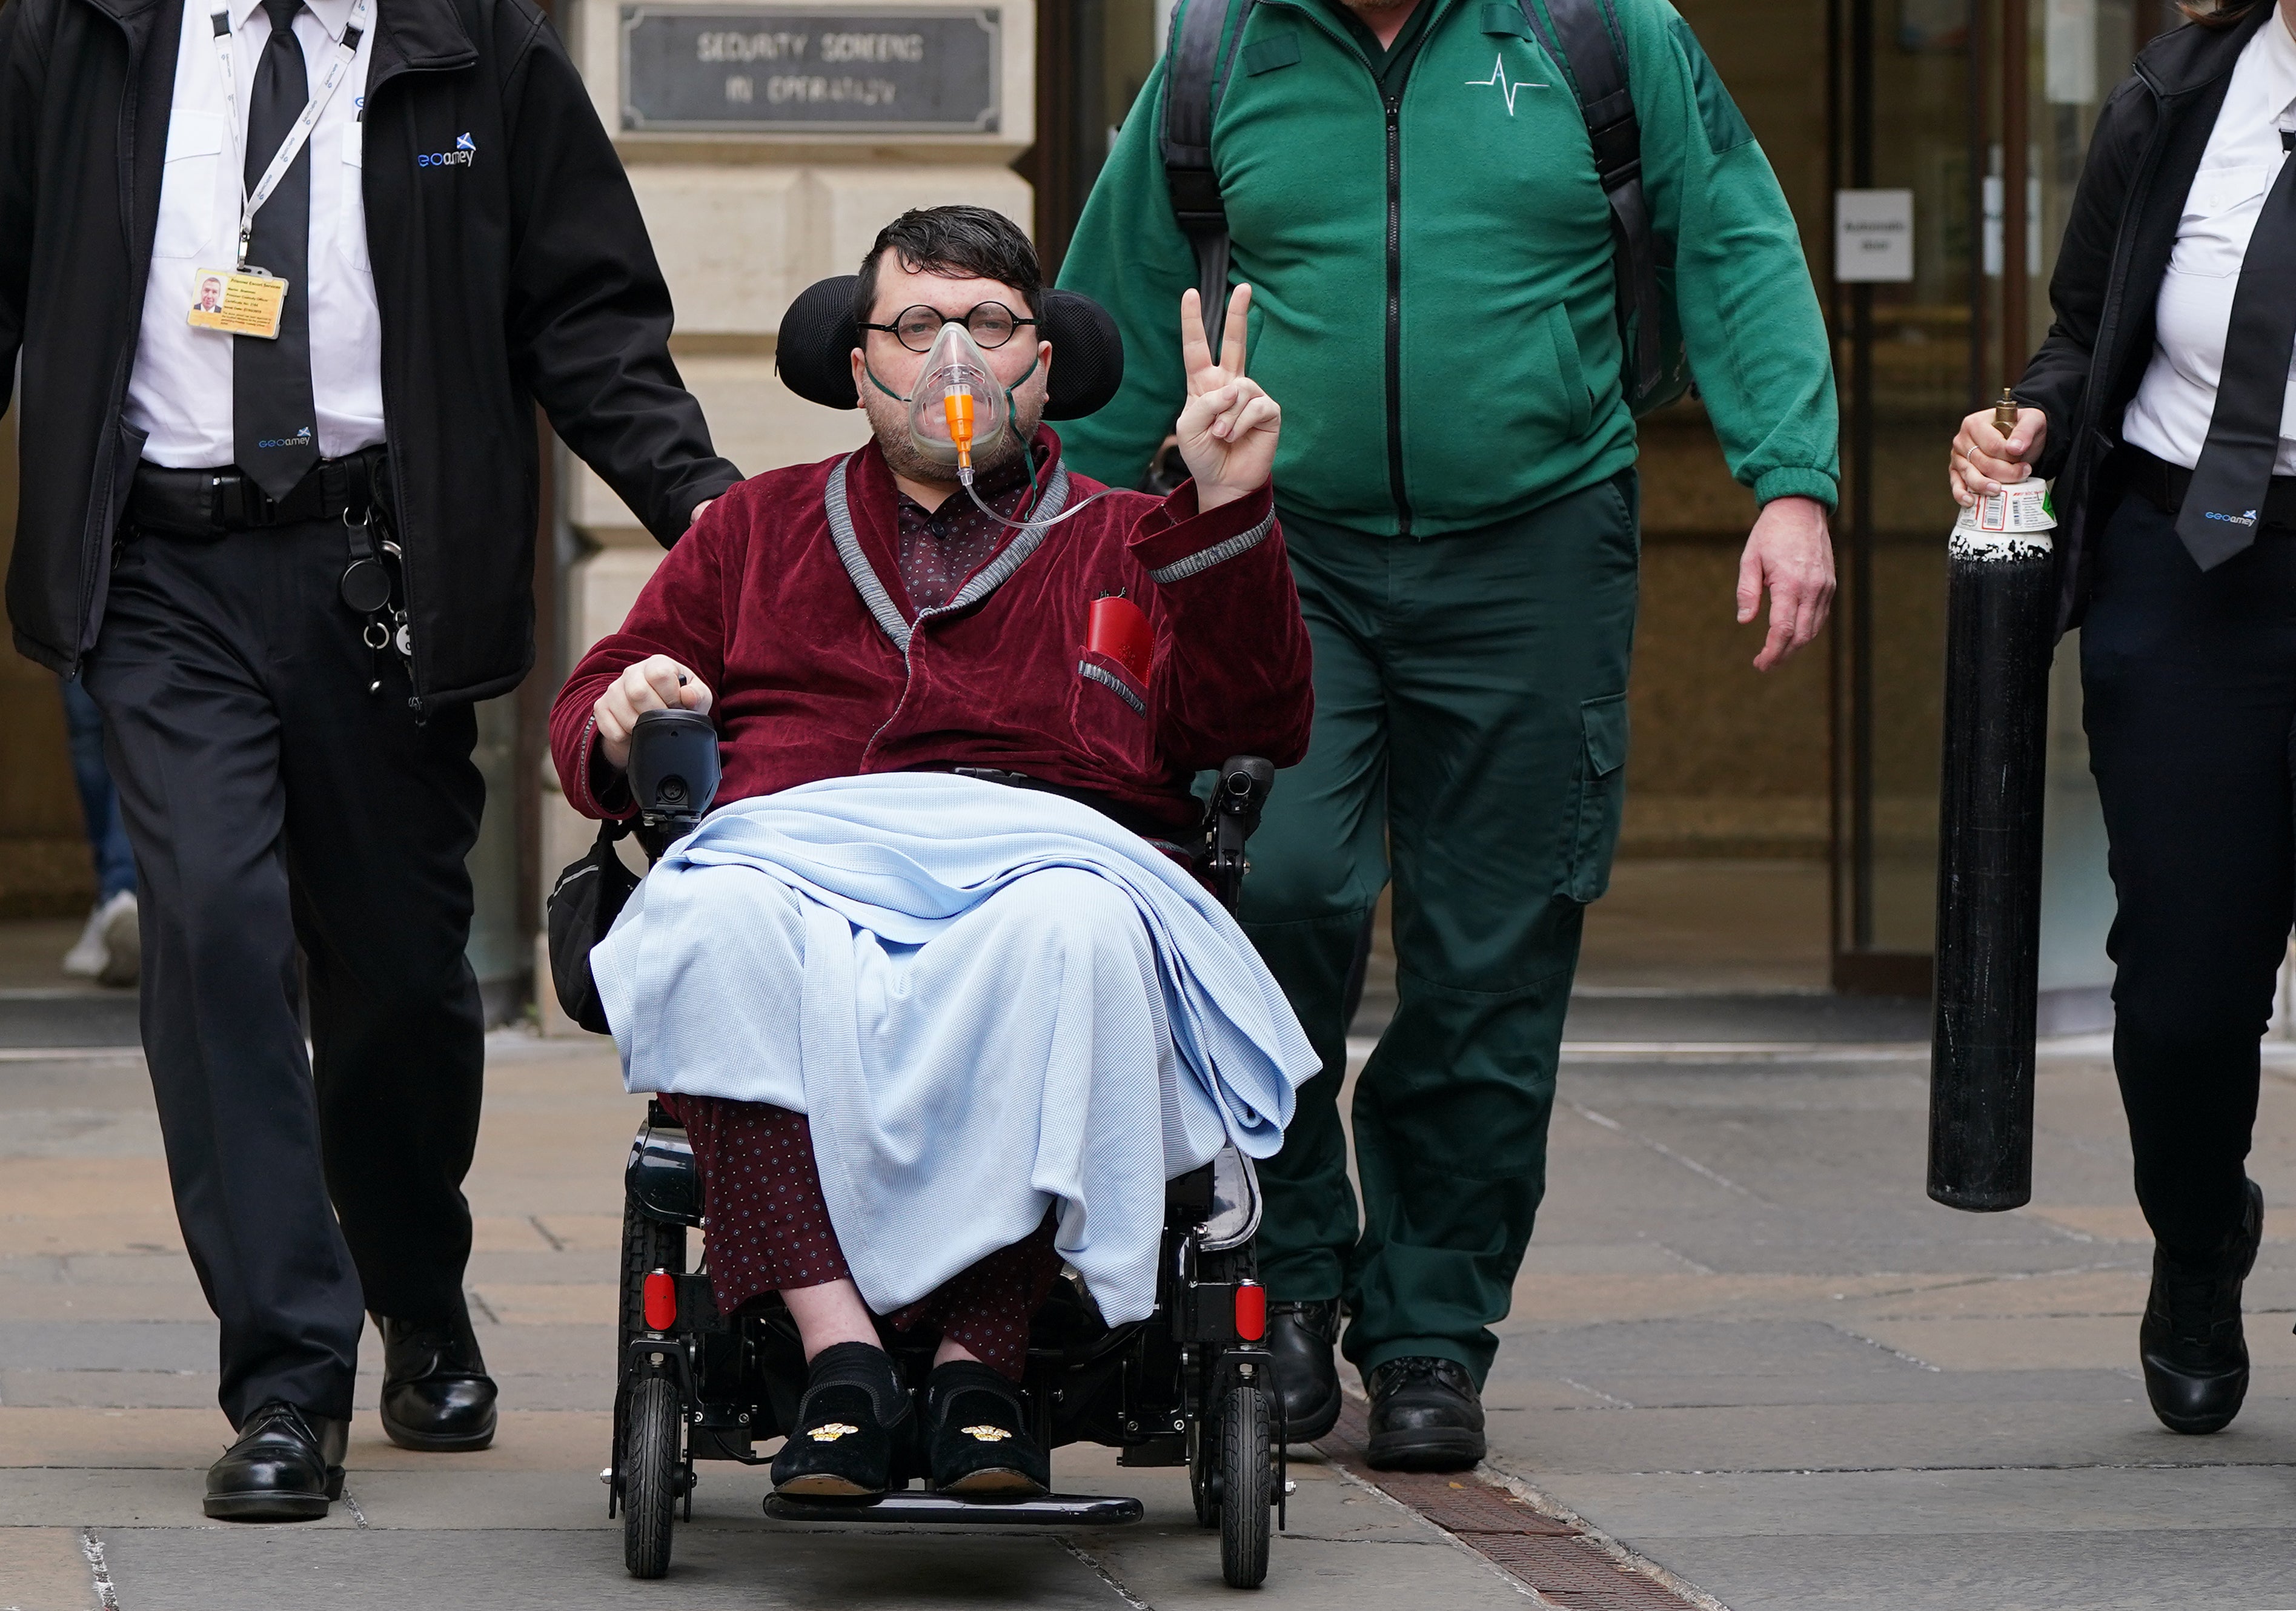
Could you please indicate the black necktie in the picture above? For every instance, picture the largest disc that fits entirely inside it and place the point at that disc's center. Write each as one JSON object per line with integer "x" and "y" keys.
{"x": 275, "y": 427}
{"x": 2223, "y": 505}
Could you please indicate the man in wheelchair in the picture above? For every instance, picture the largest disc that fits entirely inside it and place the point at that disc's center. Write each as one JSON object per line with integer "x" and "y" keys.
{"x": 939, "y": 1007}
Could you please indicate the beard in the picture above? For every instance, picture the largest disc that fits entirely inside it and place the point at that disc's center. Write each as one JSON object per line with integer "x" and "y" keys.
{"x": 888, "y": 419}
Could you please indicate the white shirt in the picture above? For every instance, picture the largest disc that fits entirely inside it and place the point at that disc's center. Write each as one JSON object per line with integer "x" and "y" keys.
{"x": 180, "y": 391}
{"x": 2168, "y": 417}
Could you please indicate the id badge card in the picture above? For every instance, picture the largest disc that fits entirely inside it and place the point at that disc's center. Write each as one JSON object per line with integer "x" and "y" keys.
{"x": 239, "y": 302}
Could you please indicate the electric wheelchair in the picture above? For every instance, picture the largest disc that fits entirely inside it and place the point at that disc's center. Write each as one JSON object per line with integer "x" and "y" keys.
{"x": 1187, "y": 1386}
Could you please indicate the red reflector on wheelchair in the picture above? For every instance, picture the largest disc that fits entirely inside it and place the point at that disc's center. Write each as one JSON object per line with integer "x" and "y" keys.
{"x": 661, "y": 1301}
{"x": 1251, "y": 1311}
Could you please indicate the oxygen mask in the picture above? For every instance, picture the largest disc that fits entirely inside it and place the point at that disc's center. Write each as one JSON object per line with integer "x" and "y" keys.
{"x": 960, "y": 411}
{"x": 958, "y": 407}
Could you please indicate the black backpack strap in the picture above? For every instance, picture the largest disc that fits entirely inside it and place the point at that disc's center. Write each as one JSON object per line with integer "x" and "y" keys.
{"x": 1589, "y": 51}
{"x": 1192, "y": 85}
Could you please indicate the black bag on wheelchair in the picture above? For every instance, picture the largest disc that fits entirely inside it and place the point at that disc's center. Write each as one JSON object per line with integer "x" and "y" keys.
{"x": 674, "y": 776}
{"x": 583, "y": 903}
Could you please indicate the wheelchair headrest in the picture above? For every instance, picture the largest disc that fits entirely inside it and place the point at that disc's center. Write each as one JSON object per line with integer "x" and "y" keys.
{"x": 818, "y": 332}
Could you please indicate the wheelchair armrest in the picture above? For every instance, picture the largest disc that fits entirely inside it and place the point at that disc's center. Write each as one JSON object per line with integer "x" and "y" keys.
{"x": 1241, "y": 795}
{"x": 1220, "y": 1202}
{"x": 661, "y": 1176}
{"x": 674, "y": 769}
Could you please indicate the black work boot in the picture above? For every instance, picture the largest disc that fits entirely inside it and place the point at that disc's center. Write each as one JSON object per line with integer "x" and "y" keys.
{"x": 1301, "y": 1337}
{"x": 978, "y": 1438}
{"x": 437, "y": 1395}
{"x": 284, "y": 1467}
{"x": 2195, "y": 1358}
{"x": 1426, "y": 1416}
{"x": 854, "y": 1413}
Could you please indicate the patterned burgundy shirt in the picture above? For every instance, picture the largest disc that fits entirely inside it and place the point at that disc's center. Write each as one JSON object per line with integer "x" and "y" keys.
{"x": 941, "y": 548}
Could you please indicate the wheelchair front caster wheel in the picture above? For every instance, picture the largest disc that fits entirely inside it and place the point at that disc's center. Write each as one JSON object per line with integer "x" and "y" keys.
{"x": 651, "y": 1469}
{"x": 1247, "y": 1472}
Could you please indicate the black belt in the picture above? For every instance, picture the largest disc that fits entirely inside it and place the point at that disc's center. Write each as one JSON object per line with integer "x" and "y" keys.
{"x": 1123, "y": 814}
{"x": 210, "y": 502}
{"x": 2162, "y": 484}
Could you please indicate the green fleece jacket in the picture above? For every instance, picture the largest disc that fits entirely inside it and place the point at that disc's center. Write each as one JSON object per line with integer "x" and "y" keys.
{"x": 1472, "y": 373}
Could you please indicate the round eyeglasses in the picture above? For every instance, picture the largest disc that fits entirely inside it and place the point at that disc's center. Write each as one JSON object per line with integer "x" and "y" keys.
{"x": 991, "y": 324}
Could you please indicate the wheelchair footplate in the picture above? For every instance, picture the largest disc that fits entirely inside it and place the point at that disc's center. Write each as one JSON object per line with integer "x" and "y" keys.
{"x": 945, "y": 1510}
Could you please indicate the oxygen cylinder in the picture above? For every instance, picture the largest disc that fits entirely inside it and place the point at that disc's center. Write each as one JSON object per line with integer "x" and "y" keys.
{"x": 2000, "y": 612}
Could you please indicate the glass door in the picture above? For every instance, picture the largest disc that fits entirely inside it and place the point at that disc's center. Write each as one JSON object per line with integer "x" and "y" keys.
{"x": 1908, "y": 342}
{"x": 1093, "y": 56}
{"x": 1966, "y": 104}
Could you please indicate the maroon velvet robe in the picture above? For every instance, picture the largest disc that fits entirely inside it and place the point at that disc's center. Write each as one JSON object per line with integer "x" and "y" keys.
{"x": 759, "y": 603}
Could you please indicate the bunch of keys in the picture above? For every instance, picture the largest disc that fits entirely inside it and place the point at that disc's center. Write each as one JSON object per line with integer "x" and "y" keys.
{"x": 366, "y": 588}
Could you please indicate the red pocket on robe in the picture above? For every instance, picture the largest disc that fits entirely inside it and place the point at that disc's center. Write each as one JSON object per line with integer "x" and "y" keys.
{"x": 1122, "y": 631}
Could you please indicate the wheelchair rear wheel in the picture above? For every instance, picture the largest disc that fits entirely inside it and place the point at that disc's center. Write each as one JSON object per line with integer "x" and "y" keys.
{"x": 1247, "y": 1488}
{"x": 651, "y": 1469}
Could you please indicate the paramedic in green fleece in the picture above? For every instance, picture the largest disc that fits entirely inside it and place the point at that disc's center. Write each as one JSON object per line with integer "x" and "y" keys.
{"x": 1413, "y": 199}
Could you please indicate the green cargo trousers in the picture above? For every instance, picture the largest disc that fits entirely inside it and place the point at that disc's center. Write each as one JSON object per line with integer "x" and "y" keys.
{"x": 1471, "y": 734}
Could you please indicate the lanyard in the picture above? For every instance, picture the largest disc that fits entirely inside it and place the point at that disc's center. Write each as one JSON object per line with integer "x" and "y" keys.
{"x": 338, "y": 70}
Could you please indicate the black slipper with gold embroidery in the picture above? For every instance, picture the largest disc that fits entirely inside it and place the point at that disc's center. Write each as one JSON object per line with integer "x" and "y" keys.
{"x": 854, "y": 1410}
{"x": 979, "y": 1442}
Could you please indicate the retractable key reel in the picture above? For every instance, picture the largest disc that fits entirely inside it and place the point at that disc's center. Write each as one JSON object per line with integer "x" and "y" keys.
{"x": 366, "y": 589}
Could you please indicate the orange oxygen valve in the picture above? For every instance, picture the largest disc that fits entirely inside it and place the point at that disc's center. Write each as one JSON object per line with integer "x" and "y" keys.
{"x": 956, "y": 403}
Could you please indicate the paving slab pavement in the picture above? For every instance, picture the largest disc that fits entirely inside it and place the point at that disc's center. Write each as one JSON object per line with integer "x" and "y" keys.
{"x": 108, "y": 1417}
{"x": 1746, "y": 1342}
{"x": 1745, "y": 1347}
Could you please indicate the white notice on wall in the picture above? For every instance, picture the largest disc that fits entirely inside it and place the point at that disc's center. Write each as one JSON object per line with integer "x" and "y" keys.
{"x": 1873, "y": 234}
{"x": 2070, "y": 78}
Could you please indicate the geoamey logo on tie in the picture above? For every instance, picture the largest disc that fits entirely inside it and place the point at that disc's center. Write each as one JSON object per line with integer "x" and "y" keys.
{"x": 2246, "y": 520}
{"x": 301, "y": 439}
{"x": 465, "y": 152}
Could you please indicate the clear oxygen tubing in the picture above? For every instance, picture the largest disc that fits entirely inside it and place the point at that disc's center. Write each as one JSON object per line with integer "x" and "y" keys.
{"x": 974, "y": 411}
{"x": 964, "y": 479}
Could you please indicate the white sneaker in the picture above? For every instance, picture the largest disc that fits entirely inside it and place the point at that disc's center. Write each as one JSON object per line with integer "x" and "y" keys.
{"x": 89, "y": 954}
{"x": 122, "y": 939}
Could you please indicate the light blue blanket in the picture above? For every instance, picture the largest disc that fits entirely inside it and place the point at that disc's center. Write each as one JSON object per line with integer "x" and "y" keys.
{"x": 991, "y": 1001}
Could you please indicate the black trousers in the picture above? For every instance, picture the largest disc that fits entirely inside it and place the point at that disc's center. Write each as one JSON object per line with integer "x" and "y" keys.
{"x": 2189, "y": 684}
{"x": 273, "y": 801}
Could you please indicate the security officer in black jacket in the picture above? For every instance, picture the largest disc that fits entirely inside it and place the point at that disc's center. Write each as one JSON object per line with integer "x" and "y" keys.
{"x": 287, "y": 278}
{"x": 2164, "y": 403}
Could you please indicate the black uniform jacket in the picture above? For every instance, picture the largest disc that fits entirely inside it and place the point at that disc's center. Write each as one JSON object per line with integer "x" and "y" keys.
{"x": 2149, "y": 140}
{"x": 523, "y": 274}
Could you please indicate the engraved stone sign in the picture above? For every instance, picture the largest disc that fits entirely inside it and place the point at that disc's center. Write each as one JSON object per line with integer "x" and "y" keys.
{"x": 775, "y": 70}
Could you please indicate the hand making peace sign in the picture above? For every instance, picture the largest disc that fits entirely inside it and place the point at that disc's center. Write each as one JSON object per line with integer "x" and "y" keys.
{"x": 1227, "y": 431}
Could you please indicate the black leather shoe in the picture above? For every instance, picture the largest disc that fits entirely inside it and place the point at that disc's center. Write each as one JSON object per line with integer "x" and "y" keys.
{"x": 2195, "y": 1358}
{"x": 437, "y": 1395}
{"x": 978, "y": 1440}
{"x": 1426, "y": 1416}
{"x": 854, "y": 1415}
{"x": 1301, "y": 1337}
{"x": 285, "y": 1467}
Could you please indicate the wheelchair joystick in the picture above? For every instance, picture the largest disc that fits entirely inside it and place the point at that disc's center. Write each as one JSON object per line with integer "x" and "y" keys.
{"x": 674, "y": 769}
{"x": 1244, "y": 784}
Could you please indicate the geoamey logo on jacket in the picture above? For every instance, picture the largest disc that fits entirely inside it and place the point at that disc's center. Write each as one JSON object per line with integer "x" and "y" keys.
{"x": 465, "y": 152}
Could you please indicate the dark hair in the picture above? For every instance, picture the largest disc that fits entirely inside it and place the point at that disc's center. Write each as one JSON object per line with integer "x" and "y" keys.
{"x": 957, "y": 242}
{"x": 2223, "y": 14}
